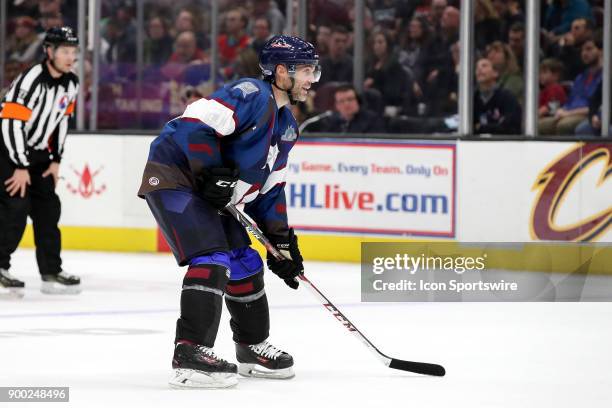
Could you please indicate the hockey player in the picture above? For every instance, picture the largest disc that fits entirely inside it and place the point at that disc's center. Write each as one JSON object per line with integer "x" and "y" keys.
{"x": 233, "y": 147}
{"x": 33, "y": 126}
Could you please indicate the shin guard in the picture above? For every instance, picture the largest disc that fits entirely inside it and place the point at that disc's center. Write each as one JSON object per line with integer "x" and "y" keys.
{"x": 247, "y": 303}
{"x": 201, "y": 303}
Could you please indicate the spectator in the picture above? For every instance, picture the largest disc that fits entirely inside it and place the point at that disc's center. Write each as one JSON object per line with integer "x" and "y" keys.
{"x": 552, "y": 94}
{"x": 349, "y": 116}
{"x": 413, "y": 43}
{"x": 576, "y": 109}
{"x": 54, "y": 7}
{"x": 22, "y": 45}
{"x": 432, "y": 115}
{"x": 323, "y": 35}
{"x": 496, "y": 110}
{"x": 437, "y": 59}
{"x": 124, "y": 14}
{"x": 487, "y": 24}
{"x": 435, "y": 13}
{"x": 247, "y": 64}
{"x": 385, "y": 73}
{"x": 186, "y": 49}
{"x": 47, "y": 21}
{"x": 186, "y": 20}
{"x": 261, "y": 33}
{"x": 591, "y": 126}
{"x": 121, "y": 46}
{"x": 510, "y": 76}
{"x": 158, "y": 45}
{"x": 186, "y": 53}
{"x": 516, "y": 41}
{"x": 233, "y": 40}
{"x": 510, "y": 14}
{"x": 386, "y": 14}
{"x": 50, "y": 20}
{"x": 269, "y": 10}
{"x": 337, "y": 66}
{"x": 569, "y": 46}
{"x": 11, "y": 70}
{"x": 560, "y": 14}
{"x": 330, "y": 13}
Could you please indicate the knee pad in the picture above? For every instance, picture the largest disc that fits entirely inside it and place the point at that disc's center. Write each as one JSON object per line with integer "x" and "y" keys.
{"x": 247, "y": 303}
{"x": 212, "y": 271}
{"x": 201, "y": 304}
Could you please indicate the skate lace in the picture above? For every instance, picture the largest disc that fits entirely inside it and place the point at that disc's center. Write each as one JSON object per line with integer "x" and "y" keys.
{"x": 265, "y": 349}
{"x": 209, "y": 352}
{"x": 66, "y": 275}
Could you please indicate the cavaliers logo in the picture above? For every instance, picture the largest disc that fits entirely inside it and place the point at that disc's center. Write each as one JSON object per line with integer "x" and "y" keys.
{"x": 553, "y": 185}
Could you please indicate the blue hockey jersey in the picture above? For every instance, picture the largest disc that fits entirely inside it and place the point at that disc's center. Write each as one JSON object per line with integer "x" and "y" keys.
{"x": 239, "y": 125}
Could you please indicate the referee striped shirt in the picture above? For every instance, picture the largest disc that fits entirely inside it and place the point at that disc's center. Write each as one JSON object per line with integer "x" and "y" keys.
{"x": 34, "y": 114}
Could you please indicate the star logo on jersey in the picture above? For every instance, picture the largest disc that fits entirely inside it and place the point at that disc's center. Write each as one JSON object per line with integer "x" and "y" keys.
{"x": 290, "y": 135}
{"x": 272, "y": 155}
{"x": 246, "y": 88}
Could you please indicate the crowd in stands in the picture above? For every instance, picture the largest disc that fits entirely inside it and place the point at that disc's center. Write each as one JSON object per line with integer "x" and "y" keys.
{"x": 411, "y": 57}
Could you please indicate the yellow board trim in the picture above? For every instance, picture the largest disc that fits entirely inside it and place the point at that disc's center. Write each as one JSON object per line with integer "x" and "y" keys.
{"x": 102, "y": 239}
{"x": 558, "y": 257}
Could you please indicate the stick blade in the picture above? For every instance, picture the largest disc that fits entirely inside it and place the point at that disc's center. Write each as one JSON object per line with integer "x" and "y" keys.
{"x": 419, "y": 368}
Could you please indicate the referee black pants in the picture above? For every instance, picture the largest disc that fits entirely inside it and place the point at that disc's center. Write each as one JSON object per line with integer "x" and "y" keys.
{"x": 44, "y": 208}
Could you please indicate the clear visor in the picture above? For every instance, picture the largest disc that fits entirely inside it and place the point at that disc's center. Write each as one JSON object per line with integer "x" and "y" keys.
{"x": 310, "y": 72}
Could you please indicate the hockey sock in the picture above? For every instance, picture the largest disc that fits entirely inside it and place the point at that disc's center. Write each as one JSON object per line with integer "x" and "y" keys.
{"x": 247, "y": 303}
{"x": 201, "y": 303}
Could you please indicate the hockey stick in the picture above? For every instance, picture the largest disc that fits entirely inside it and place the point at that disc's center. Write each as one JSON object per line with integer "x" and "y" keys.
{"x": 411, "y": 366}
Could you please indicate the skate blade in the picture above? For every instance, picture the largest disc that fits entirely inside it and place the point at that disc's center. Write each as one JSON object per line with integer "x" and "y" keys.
{"x": 11, "y": 293}
{"x": 190, "y": 379}
{"x": 257, "y": 371}
{"x": 54, "y": 288}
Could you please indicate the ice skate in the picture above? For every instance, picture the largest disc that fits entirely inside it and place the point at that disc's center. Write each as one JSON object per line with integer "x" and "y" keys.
{"x": 10, "y": 287}
{"x": 61, "y": 284}
{"x": 263, "y": 360}
{"x": 197, "y": 366}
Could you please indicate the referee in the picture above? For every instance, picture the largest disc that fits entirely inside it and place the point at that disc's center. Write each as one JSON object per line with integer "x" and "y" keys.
{"x": 33, "y": 126}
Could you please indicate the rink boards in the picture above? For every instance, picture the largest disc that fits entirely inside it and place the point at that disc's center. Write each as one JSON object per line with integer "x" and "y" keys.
{"x": 341, "y": 192}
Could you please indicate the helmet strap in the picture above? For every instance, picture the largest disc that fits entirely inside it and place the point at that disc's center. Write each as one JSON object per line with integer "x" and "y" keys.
{"x": 289, "y": 91}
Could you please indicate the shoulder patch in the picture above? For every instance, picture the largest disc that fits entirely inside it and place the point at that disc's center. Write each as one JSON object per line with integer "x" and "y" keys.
{"x": 290, "y": 135}
{"x": 246, "y": 88}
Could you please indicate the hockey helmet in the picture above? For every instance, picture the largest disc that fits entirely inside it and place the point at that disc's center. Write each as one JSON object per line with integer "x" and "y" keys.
{"x": 57, "y": 36}
{"x": 289, "y": 51}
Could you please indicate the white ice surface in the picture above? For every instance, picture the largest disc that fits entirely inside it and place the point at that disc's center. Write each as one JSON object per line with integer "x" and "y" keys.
{"x": 112, "y": 344}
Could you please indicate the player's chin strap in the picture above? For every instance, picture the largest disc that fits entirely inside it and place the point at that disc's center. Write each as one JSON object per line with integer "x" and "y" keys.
{"x": 288, "y": 91}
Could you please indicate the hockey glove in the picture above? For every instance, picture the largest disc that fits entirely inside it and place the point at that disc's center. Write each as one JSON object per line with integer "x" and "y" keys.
{"x": 287, "y": 269}
{"x": 216, "y": 185}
